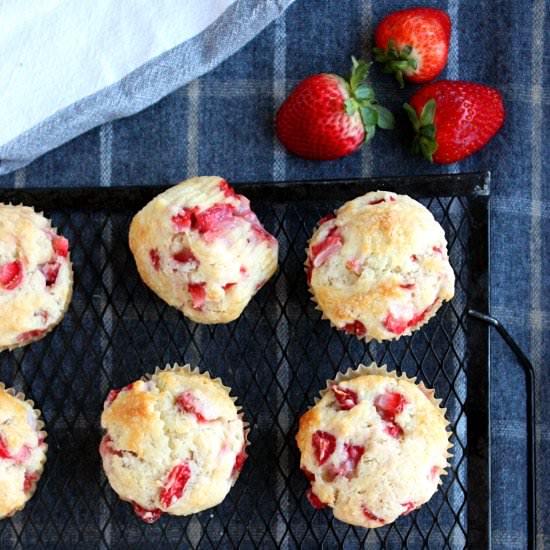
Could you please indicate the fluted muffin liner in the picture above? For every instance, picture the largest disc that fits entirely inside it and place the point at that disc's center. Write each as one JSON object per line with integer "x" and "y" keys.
{"x": 374, "y": 369}
{"x": 69, "y": 294}
{"x": 41, "y": 433}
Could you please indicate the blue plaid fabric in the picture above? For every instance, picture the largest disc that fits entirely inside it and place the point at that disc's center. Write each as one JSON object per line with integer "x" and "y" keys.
{"x": 222, "y": 124}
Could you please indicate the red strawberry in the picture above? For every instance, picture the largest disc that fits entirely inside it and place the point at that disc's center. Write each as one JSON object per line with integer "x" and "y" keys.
{"x": 413, "y": 43}
{"x": 326, "y": 117}
{"x": 314, "y": 500}
{"x": 454, "y": 118}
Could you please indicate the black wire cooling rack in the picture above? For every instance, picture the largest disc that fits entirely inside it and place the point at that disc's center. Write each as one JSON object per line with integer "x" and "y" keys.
{"x": 276, "y": 357}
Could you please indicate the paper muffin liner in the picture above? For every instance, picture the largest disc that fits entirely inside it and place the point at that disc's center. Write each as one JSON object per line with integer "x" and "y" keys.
{"x": 374, "y": 369}
{"x": 41, "y": 434}
{"x": 68, "y": 298}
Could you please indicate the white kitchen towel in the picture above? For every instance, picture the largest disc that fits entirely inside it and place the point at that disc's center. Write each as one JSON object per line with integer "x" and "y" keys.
{"x": 70, "y": 65}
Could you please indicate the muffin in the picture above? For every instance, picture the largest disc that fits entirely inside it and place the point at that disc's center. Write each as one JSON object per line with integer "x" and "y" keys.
{"x": 373, "y": 447}
{"x": 22, "y": 451}
{"x": 379, "y": 268}
{"x": 174, "y": 443}
{"x": 36, "y": 277}
{"x": 201, "y": 249}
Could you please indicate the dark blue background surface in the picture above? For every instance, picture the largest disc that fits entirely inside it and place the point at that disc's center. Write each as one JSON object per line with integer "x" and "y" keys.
{"x": 221, "y": 124}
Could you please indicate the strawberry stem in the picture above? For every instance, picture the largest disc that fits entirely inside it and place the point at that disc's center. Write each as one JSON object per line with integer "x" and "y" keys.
{"x": 363, "y": 98}
{"x": 424, "y": 142}
{"x": 396, "y": 61}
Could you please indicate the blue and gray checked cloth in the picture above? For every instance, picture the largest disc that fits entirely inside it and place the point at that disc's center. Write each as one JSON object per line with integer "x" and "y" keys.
{"x": 220, "y": 122}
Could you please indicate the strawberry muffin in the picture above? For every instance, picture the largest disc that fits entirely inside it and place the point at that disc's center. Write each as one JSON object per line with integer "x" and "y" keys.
{"x": 36, "y": 277}
{"x": 22, "y": 451}
{"x": 379, "y": 268}
{"x": 373, "y": 447}
{"x": 173, "y": 444}
{"x": 202, "y": 250}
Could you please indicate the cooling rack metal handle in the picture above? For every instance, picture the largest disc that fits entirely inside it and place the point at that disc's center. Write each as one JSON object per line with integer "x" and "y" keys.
{"x": 531, "y": 422}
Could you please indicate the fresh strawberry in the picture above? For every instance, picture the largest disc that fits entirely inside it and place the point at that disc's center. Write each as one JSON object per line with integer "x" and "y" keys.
{"x": 453, "y": 119}
{"x": 413, "y": 43}
{"x": 326, "y": 117}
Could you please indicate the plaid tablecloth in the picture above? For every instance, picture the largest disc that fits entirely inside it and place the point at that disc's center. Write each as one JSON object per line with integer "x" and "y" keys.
{"x": 222, "y": 124}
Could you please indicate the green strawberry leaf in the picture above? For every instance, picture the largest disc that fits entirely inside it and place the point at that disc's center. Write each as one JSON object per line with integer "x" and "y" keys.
{"x": 350, "y": 105}
{"x": 360, "y": 69}
{"x": 396, "y": 61}
{"x": 370, "y": 130}
{"x": 364, "y": 92}
{"x": 362, "y": 97}
{"x": 413, "y": 117}
{"x": 385, "y": 117}
{"x": 428, "y": 113}
{"x": 424, "y": 142}
{"x": 369, "y": 116}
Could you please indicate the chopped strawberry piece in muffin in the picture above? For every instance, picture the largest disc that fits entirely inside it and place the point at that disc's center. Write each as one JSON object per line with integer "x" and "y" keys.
{"x": 322, "y": 251}
{"x": 324, "y": 444}
{"x": 314, "y": 500}
{"x": 326, "y": 218}
{"x": 348, "y": 466}
{"x": 409, "y": 507}
{"x": 369, "y": 515}
{"x": 198, "y": 294}
{"x": 389, "y": 404}
{"x": 30, "y": 335}
{"x": 60, "y": 245}
{"x": 148, "y": 516}
{"x": 30, "y": 478}
{"x": 106, "y": 447}
{"x": 185, "y": 219}
{"x": 226, "y": 189}
{"x": 216, "y": 219}
{"x": 347, "y": 399}
{"x": 435, "y": 471}
{"x": 4, "y": 453}
{"x": 357, "y": 328}
{"x": 155, "y": 258}
{"x": 175, "y": 484}
{"x": 308, "y": 474}
{"x": 187, "y": 402}
{"x": 50, "y": 272}
{"x": 240, "y": 459}
{"x": 185, "y": 255}
{"x": 11, "y": 275}
{"x": 228, "y": 286}
{"x": 400, "y": 325}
